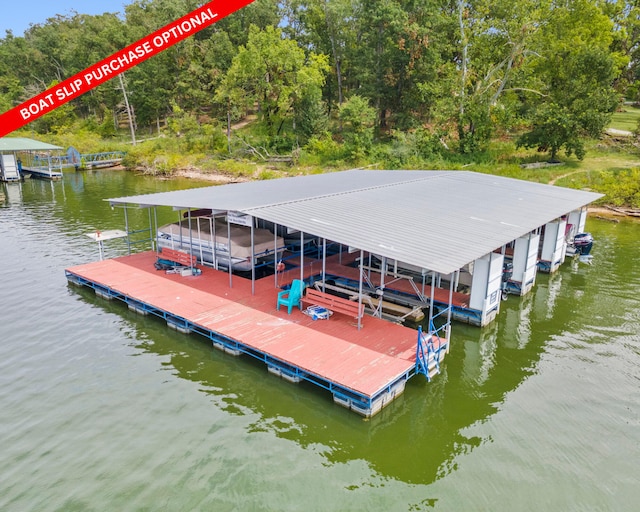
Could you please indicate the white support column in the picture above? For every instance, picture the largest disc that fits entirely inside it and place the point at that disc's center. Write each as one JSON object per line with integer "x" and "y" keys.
{"x": 553, "y": 245}
{"x": 485, "y": 286}
{"x": 524, "y": 260}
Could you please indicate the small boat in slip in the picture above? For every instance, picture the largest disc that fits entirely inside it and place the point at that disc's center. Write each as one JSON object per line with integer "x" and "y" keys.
{"x": 215, "y": 242}
{"x": 581, "y": 246}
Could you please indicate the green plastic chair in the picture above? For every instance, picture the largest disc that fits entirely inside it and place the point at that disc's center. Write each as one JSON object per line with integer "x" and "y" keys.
{"x": 292, "y": 296}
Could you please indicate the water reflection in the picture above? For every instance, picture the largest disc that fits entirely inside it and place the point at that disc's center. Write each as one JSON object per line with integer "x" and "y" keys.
{"x": 418, "y": 438}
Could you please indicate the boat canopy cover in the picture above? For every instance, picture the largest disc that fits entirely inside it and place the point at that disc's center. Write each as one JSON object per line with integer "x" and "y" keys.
{"x": 436, "y": 220}
{"x": 25, "y": 144}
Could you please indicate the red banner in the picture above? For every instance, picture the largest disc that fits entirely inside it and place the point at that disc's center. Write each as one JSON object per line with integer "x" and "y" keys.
{"x": 119, "y": 62}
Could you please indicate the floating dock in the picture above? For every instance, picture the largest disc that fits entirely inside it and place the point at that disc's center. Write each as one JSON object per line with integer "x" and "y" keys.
{"x": 383, "y": 242}
{"x": 364, "y": 369}
{"x": 17, "y": 157}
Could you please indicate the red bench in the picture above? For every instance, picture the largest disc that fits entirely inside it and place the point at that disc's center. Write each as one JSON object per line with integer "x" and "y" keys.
{"x": 334, "y": 303}
{"x": 180, "y": 257}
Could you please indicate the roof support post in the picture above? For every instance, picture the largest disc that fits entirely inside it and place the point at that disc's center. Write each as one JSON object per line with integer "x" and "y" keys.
{"x": 212, "y": 231}
{"x": 275, "y": 254}
{"x": 253, "y": 260}
{"x": 380, "y": 295}
{"x": 126, "y": 227}
{"x": 449, "y": 311}
{"x": 433, "y": 285}
{"x": 324, "y": 261}
{"x": 360, "y": 288}
{"x": 150, "y": 227}
{"x": 154, "y": 235}
{"x": 179, "y": 230}
{"x": 191, "y": 232}
{"x": 229, "y": 253}
{"x": 200, "y": 240}
{"x": 301, "y": 256}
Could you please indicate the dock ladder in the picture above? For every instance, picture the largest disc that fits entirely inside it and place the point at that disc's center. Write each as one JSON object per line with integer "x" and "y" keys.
{"x": 428, "y": 354}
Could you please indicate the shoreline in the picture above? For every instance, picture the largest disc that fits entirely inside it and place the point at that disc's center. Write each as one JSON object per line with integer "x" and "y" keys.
{"x": 214, "y": 177}
{"x": 613, "y": 214}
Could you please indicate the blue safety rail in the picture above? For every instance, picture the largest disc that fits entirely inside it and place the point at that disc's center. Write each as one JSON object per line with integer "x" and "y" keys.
{"x": 75, "y": 159}
{"x": 429, "y": 348}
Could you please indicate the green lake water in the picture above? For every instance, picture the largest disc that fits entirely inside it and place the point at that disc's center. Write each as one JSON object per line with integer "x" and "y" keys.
{"x": 102, "y": 409}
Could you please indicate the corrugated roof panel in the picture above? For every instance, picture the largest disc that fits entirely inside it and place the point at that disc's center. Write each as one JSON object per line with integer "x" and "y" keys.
{"x": 441, "y": 224}
{"x": 252, "y": 194}
{"x": 440, "y": 220}
{"x": 25, "y": 144}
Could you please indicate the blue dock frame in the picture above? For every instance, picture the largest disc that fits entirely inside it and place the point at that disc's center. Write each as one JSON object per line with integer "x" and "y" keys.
{"x": 360, "y": 403}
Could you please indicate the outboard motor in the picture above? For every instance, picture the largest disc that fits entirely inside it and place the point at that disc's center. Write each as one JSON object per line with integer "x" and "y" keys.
{"x": 507, "y": 273}
{"x": 583, "y": 242}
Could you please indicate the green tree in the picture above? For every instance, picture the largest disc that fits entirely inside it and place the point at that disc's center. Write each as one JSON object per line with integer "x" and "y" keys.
{"x": 574, "y": 71}
{"x": 495, "y": 42}
{"x": 328, "y": 27}
{"x": 273, "y": 73}
{"x": 358, "y": 119}
{"x": 66, "y": 45}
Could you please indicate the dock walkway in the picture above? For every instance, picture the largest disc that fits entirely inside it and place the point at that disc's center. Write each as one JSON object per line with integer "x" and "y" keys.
{"x": 364, "y": 369}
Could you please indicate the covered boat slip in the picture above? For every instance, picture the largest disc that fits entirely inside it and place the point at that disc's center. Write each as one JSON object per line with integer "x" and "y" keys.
{"x": 364, "y": 369}
{"x": 451, "y": 228}
{"x": 21, "y": 157}
{"x": 216, "y": 243}
{"x": 431, "y": 242}
{"x": 401, "y": 293}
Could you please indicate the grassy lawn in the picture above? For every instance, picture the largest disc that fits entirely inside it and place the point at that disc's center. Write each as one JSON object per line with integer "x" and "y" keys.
{"x": 626, "y": 118}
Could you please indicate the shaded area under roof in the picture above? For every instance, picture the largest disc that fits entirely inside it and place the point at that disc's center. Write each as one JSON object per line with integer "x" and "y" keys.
{"x": 25, "y": 144}
{"x": 438, "y": 220}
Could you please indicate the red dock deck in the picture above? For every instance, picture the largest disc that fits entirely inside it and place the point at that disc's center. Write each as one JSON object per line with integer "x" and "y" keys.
{"x": 364, "y": 369}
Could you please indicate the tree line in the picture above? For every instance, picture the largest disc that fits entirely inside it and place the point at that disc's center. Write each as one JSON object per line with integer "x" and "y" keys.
{"x": 434, "y": 75}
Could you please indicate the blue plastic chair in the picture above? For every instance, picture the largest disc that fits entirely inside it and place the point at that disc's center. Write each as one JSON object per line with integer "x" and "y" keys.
{"x": 292, "y": 296}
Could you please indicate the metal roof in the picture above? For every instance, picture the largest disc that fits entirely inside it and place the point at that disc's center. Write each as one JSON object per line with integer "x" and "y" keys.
{"x": 439, "y": 220}
{"x": 253, "y": 194}
{"x": 25, "y": 144}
